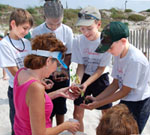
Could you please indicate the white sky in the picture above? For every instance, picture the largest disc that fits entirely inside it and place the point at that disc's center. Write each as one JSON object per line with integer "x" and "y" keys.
{"x": 136, "y": 5}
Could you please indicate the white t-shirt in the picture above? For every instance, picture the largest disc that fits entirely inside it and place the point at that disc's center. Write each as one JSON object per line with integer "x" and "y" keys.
{"x": 133, "y": 71}
{"x": 63, "y": 33}
{"x": 10, "y": 57}
{"x": 83, "y": 52}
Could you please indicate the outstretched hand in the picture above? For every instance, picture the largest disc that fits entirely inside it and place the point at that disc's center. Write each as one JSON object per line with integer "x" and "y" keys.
{"x": 90, "y": 106}
{"x": 48, "y": 83}
{"x": 64, "y": 92}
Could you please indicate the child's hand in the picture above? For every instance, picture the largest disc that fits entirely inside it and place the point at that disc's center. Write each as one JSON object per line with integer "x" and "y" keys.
{"x": 48, "y": 83}
{"x": 60, "y": 76}
{"x": 84, "y": 87}
{"x": 90, "y": 103}
{"x": 64, "y": 92}
{"x": 77, "y": 89}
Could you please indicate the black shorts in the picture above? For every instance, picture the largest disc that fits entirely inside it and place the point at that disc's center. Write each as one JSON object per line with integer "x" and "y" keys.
{"x": 95, "y": 89}
{"x": 59, "y": 103}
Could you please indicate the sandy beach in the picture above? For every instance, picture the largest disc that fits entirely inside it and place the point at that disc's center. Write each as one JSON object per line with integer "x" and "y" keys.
{"x": 91, "y": 118}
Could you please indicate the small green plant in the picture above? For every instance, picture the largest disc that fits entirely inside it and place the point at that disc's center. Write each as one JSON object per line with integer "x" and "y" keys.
{"x": 75, "y": 79}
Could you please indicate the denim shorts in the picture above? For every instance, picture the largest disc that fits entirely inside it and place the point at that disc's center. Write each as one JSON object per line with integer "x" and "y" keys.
{"x": 95, "y": 89}
{"x": 140, "y": 110}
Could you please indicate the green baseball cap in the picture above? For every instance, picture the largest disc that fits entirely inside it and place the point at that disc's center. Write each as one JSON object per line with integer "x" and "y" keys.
{"x": 111, "y": 33}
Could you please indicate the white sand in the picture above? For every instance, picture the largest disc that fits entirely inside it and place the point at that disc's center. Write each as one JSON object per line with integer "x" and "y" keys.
{"x": 91, "y": 118}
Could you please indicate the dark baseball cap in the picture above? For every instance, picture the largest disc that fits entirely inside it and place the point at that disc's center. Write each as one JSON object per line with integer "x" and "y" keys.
{"x": 114, "y": 31}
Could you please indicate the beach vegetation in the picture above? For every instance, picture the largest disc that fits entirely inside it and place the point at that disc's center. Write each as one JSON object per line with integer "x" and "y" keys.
{"x": 148, "y": 10}
{"x": 31, "y": 10}
{"x": 71, "y": 15}
{"x": 128, "y": 10}
{"x": 135, "y": 17}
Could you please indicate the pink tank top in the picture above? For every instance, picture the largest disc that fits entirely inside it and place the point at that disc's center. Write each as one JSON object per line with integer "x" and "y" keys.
{"x": 22, "y": 119}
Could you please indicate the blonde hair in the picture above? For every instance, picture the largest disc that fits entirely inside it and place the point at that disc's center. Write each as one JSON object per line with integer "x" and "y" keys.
{"x": 117, "y": 121}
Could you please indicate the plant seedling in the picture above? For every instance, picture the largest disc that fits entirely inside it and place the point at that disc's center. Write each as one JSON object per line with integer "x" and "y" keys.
{"x": 87, "y": 101}
{"x": 80, "y": 87}
{"x": 76, "y": 80}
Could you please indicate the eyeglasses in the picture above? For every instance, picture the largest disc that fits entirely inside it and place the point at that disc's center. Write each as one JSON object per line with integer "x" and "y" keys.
{"x": 87, "y": 16}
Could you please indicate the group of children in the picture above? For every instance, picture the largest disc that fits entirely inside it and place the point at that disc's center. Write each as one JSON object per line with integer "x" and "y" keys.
{"x": 91, "y": 50}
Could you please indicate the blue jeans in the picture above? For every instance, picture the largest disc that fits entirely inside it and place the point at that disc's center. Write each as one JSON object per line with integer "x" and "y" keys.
{"x": 140, "y": 110}
{"x": 11, "y": 106}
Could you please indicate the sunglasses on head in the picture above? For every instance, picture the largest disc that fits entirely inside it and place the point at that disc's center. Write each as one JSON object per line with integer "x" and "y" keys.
{"x": 87, "y": 16}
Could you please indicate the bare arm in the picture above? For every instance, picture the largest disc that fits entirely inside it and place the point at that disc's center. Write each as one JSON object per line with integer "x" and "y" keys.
{"x": 94, "y": 77}
{"x": 67, "y": 59}
{"x": 35, "y": 100}
{"x": 13, "y": 70}
{"x": 63, "y": 92}
{"x": 109, "y": 96}
{"x": 80, "y": 71}
{"x": 112, "y": 88}
{"x": 114, "y": 97}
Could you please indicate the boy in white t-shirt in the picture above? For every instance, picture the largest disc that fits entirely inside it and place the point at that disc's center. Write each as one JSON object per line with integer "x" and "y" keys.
{"x": 130, "y": 73}
{"x": 13, "y": 49}
{"x": 4, "y": 72}
{"x": 53, "y": 13}
{"x": 91, "y": 70}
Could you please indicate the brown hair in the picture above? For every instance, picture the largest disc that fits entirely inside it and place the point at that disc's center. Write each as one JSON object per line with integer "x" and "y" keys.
{"x": 117, "y": 121}
{"x": 20, "y": 16}
{"x": 43, "y": 42}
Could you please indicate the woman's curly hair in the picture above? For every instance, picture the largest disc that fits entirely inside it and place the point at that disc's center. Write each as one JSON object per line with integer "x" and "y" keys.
{"x": 47, "y": 42}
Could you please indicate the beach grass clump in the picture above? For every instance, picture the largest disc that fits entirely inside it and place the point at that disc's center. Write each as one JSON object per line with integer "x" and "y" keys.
{"x": 3, "y": 7}
{"x": 117, "y": 14}
{"x": 128, "y": 11}
{"x": 136, "y": 18}
{"x": 31, "y": 10}
{"x": 38, "y": 19}
{"x": 148, "y": 10}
